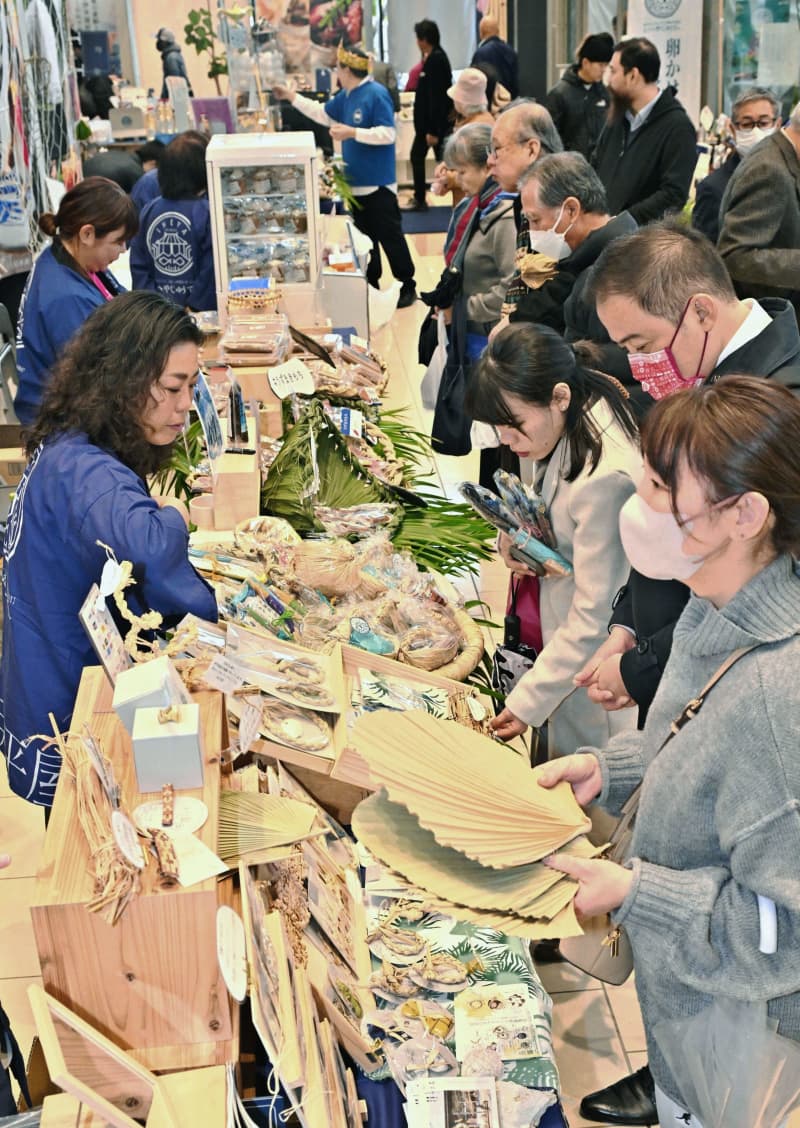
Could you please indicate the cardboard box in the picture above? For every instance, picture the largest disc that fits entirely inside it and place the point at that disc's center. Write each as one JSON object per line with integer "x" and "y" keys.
{"x": 12, "y": 465}
{"x": 155, "y": 685}
{"x": 167, "y": 751}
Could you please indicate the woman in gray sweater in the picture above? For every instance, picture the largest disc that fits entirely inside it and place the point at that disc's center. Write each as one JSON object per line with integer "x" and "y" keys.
{"x": 716, "y": 841}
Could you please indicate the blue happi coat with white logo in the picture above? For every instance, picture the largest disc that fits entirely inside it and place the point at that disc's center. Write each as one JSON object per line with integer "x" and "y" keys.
{"x": 171, "y": 253}
{"x": 72, "y": 495}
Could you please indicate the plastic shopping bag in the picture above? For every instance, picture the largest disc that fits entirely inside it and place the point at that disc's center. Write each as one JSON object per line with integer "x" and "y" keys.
{"x": 433, "y": 374}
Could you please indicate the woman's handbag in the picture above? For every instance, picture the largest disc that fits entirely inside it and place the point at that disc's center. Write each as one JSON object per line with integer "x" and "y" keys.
{"x": 603, "y": 951}
{"x": 522, "y": 634}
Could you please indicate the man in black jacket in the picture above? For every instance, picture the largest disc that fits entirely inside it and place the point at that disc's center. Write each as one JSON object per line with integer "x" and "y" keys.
{"x": 432, "y": 107}
{"x": 578, "y": 103}
{"x": 664, "y": 294}
{"x": 647, "y": 151}
{"x": 565, "y": 206}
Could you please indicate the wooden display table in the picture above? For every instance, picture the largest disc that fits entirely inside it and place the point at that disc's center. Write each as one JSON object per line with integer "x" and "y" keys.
{"x": 151, "y": 983}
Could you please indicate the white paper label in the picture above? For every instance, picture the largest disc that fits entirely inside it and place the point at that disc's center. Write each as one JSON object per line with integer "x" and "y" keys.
{"x": 293, "y": 376}
{"x": 231, "y": 951}
{"x": 196, "y": 861}
{"x": 127, "y": 839}
{"x": 358, "y": 343}
{"x": 224, "y": 674}
{"x": 249, "y": 725}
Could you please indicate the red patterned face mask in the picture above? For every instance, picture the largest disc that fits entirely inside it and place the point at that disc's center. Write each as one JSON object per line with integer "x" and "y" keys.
{"x": 658, "y": 372}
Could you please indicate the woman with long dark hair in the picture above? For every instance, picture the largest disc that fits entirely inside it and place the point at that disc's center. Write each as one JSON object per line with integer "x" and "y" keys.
{"x": 709, "y": 895}
{"x": 577, "y": 443}
{"x": 116, "y": 404}
{"x": 69, "y": 280}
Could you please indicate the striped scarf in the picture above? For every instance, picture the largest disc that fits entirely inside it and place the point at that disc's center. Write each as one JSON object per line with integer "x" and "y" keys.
{"x": 465, "y": 215}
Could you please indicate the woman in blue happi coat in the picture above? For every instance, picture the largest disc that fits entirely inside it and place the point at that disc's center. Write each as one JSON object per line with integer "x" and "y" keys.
{"x": 116, "y": 404}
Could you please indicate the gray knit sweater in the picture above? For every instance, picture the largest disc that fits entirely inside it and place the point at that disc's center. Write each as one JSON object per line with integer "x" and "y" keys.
{"x": 719, "y": 818}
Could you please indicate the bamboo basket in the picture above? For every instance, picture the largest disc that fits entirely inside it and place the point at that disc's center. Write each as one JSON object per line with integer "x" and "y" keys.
{"x": 465, "y": 662}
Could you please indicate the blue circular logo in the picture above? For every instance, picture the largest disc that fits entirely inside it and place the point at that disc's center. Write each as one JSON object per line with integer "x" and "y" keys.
{"x": 169, "y": 240}
{"x": 662, "y": 9}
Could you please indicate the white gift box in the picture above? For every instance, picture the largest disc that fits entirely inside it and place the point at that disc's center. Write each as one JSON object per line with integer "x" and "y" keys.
{"x": 167, "y": 751}
{"x": 155, "y": 684}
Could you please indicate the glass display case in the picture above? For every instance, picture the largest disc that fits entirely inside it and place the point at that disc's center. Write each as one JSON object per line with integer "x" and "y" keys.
{"x": 264, "y": 201}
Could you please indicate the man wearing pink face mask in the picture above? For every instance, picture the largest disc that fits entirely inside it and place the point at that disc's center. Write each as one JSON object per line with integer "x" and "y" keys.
{"x": 665, "y": 296}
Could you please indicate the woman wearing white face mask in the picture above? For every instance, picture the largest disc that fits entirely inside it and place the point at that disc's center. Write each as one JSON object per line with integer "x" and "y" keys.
{"x": 713, "y": 858}
{"x": 576, "y": 440}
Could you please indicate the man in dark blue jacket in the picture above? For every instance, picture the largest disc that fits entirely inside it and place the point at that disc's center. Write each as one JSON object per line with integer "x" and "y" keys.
{"x": 498, "y": 54}
{"x": 171, "y": 60}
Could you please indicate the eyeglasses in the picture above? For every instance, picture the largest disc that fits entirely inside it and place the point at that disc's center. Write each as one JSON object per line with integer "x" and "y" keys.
{"x": 493, "y": 150}
{"x": 747, "y": 125}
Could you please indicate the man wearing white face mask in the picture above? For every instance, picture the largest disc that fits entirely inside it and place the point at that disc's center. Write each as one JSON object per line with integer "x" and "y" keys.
{"x": 755, "y": 114}
{"x": 569, "y": 226}
{"x": 760, "y": 217}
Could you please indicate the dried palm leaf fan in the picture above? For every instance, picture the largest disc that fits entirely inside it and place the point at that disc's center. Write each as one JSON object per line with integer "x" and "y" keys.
{"x": 250, "y": 822}
{"x": 475, "y": 795}
{"x": 394, "y": 836}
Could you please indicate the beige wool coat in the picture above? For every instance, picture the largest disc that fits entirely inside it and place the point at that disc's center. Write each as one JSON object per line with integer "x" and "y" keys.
{"x": 575, "y": 609}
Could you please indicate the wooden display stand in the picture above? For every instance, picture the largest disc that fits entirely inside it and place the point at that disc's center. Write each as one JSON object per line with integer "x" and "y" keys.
{"x": 151, "y": 983}
{"x": 104, "y": 1085}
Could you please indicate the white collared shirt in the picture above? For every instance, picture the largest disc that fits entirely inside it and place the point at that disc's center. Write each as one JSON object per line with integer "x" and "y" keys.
{"x": 756, "y": 322}
{"x": 638, "y": 120}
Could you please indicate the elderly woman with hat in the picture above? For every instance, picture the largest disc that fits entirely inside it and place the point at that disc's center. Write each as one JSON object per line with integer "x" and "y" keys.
{"x": 471, "y": 105}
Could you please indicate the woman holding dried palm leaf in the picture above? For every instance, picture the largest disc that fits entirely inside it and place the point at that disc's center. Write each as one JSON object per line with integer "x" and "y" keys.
{"x": 577, "y": 442}
{"x": 709, "y": 896}
{"x": 116, "y": 404}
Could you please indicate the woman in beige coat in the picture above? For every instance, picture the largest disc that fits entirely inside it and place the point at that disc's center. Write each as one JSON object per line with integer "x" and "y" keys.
{"x": 578, "y": 443}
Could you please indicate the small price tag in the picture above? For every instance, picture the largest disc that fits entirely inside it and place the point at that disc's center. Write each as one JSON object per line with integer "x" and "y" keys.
{"x": 249, "y": 725}
{"x": 291, "y": 377}
{"x": 351, "y": 422}
{"x": 224, "y": 674}
{"x": 358, "y": 343}
{"x": 126, "y": 838}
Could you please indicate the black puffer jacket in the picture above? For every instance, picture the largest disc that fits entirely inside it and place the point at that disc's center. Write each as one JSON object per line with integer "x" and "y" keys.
{"x": 648, "y": 172}
{"x": 578, "y": 111}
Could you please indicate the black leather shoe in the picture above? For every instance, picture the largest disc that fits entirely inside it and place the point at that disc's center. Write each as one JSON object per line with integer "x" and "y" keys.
{"x": 408, "y": 295}
{"x": 414, "y": 205}
{"x": 546, "y": 952}
{"x": 631, "y": 1100}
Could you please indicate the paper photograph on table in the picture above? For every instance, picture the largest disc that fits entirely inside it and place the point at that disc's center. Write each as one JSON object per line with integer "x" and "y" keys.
{"x": 452, "y": 1102}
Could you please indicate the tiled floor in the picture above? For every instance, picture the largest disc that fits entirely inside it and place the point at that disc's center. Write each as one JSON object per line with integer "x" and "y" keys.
{"x": 598, "y": 1031}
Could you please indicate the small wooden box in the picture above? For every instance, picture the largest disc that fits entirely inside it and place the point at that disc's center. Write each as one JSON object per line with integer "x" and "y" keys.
{"x": 151, "y": 982}
{"x": 154, "y": 685}
{"x": 237, "y": 489}
{"x": 167, "y": 751}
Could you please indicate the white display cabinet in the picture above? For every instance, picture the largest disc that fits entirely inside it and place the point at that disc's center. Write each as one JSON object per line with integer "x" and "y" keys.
{"x": 264, "y": 200}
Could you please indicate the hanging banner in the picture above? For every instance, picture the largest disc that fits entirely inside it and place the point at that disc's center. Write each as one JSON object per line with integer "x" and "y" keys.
{"x": 309, "y": 31}
{"x": 676, "y": 29}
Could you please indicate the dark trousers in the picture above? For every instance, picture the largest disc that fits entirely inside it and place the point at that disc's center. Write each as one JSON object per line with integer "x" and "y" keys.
{"x": 419, "y": 151}
{"x": 379, "y": 217}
